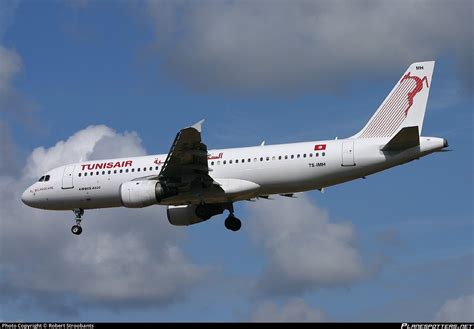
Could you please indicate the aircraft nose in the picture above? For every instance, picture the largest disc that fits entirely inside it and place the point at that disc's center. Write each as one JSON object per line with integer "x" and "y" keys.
{"x": 27, "y": 197}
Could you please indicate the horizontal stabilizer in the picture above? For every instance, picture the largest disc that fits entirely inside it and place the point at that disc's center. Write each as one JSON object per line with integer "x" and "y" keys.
{"x": 407, "y": 137}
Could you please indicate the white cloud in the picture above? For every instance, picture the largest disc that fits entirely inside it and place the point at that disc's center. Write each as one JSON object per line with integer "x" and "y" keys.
{"x": 12, "y": 103}
{"x": 296, "y": 310}
{"x": 10, "y": 61}
{"x": 9, "y": 163}
{"x": 124, "y": 258}
{"x": 304, "y": 250}
{"x": 7, "y": 15}
{"x": 94, "y": 142}
{"x": 305, "y": 46}
{"x": 10, "y": 64}
{"x": 457, "y": 310}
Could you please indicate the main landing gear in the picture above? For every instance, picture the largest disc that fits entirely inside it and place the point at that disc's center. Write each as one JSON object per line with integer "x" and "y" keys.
{"x": 231, "y": 222}
{"x": 77, "y": 229}
{"x": 206, "y": 211}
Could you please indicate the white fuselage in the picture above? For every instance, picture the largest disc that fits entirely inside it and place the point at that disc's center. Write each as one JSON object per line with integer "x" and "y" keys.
{"x": 243, "y": 173}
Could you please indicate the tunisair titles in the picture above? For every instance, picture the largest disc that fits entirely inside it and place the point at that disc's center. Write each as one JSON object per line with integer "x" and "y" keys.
{"x": 107, "y": 165}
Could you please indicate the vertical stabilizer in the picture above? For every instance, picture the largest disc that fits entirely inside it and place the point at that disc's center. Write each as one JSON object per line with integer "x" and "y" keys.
{"x": 405, "y": 105}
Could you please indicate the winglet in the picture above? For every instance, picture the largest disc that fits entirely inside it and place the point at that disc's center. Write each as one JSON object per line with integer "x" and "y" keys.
{"x": 198, "y": 125}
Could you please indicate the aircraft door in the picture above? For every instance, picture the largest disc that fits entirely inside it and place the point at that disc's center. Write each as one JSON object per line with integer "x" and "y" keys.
{"x": 68, "y": 177}
{"x": 348, "y": 153}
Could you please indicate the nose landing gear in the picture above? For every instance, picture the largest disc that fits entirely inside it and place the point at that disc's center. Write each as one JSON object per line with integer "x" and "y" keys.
{"x": 77, "y": 229}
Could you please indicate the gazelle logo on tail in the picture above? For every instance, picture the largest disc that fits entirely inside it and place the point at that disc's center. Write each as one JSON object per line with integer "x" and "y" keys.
{"x": 404, "y": 106}
{"x": 416, "y": 90}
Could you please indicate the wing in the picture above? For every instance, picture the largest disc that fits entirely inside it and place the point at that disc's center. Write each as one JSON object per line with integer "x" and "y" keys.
{"x": 186, "y": 165}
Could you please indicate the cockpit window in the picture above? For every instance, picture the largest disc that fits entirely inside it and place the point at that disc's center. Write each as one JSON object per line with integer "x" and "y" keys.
{"x": 41, "y": 179}
{"x": 46, "y": 178}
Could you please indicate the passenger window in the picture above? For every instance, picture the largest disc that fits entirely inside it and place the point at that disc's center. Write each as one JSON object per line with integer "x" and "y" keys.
{"x": 103, "y": 172}
{"x": 115, "y": 171}
{"x": 126, "y": 170}
{"x": 298, "y": 156}
{"x": 261, "y": 159}
{"x": 286, "y": 157}
{"x": 254, "y": 159}
{"x": 138, "y": 169}
{"x": 248, "y": 160}
{"x": 268, "y": 158}
{"x": 151, "y": 168}
{"x": 156, "y": 167}
{"x": 304, "y": 155}
{"x": 212, "y": 163}
{"x": 316, "y": 154}
{"x": 79, "y": 175}
{"x": 133, "y": 169}
{"x": 97, "y": 173}
{"x": 279, "y": 157}
{"x": 109, "y": 172}
{"x": 121, "y": 170}
{"x": 323, "y": 154}
{"x": 243, "y": 160}
{"x": 273, "y": 158}
{"x": 144, "y": 168}
{"x": 311, "y": 155}
{"x": 224, "y": 162}
{"x": 218, "y": 162}
{"x": 85, "y": 174}
{"x": 230, "y": 161}
{"x": 237, "y": 161}
{"x": 292, "y": 156}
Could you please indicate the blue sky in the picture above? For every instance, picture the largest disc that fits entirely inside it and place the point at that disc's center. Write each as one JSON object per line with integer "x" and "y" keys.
{"x": 275, "y": 71}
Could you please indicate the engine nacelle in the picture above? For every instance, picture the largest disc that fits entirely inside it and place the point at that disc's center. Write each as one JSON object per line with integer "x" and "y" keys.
{"x": 143, "y": 193}
{"x": 183, "y": 215}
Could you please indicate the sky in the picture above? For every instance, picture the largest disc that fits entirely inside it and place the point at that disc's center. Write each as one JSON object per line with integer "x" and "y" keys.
{"x": 85, "y": 79}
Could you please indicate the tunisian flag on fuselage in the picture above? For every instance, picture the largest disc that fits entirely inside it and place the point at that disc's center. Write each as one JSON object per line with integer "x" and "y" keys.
{"x": 319, "y": 147}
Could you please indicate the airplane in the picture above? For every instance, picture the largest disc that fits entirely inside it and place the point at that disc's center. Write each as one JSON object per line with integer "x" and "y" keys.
{"x": 196, "y": 183}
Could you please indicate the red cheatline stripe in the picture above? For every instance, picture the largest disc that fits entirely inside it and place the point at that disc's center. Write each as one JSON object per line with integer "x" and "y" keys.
{"x": 374, "y": 121}
{"x": 396, "y": 120}
{"x": 371, "y": 124}
{"x": 396, "y": 110}
{"x": 385, "y": 115}
{"x": 391, "y": 113}
{"x": 389, "y": 129}
{"x": 386, "y": 109}
{"x": 373, "y": 129}
{"x": 388, "y": 122}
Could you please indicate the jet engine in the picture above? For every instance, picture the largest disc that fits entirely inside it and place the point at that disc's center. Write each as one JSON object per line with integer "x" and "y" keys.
{"x": 144, "y": 193}
{"x": 192, "y": 214}
{"x": 183, "y": 215}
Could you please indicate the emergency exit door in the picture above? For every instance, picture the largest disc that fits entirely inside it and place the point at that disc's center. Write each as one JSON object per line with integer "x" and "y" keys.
{"x": 348, "y": 154}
